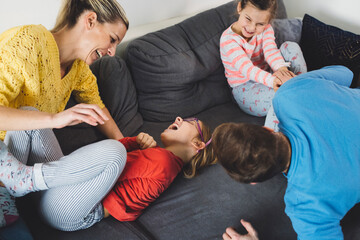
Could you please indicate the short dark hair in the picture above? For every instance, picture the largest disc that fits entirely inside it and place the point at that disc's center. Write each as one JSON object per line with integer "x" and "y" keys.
{"x": 248, "y": 152}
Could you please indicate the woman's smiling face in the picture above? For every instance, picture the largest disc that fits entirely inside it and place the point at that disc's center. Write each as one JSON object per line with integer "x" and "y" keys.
{"x": 101, "y": 40}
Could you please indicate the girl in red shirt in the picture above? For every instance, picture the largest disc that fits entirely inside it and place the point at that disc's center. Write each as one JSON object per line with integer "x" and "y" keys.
{"x": 149, "y": 171}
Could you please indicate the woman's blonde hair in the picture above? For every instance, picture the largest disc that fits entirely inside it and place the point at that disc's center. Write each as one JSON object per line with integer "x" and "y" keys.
{"x": 107, "y": 11}
{"x": 203, "y": 158}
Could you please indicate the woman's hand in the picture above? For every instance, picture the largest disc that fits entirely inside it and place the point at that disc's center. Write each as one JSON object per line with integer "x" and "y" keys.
{"x": 91, "y": 114}
{"x": 145, "y": 141}
{"x": 232, "y": 234}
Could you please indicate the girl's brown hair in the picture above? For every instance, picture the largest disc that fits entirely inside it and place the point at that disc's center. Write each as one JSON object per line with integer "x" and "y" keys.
{"x": 107, "y": 11}
{"x": 268, "y": 5}
{"x": 203, "y": 158}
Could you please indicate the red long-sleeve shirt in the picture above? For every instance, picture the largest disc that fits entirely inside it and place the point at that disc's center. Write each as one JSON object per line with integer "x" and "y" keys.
{"x": 146, "y": 175}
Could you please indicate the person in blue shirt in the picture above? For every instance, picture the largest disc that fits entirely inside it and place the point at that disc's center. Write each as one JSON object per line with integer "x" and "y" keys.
{"x": 317, "y": 149}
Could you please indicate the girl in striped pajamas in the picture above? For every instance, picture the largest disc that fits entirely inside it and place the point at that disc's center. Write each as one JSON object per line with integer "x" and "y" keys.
{"x": 252, "y": 60}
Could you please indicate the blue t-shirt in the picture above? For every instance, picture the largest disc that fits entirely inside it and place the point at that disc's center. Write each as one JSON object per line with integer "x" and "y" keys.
{"x": 320, "y": 115}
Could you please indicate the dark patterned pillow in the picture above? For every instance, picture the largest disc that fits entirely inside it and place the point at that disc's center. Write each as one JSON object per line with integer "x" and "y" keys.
{"x": 325, "y": 45}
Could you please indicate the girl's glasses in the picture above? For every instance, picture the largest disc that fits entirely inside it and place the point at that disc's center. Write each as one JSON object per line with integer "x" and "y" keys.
{"x": 197, "y": 126}
{"x": 198, "y": 129}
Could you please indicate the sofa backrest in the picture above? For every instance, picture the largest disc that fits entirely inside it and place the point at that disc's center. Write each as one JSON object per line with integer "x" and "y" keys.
{"x": 177, "y": 70}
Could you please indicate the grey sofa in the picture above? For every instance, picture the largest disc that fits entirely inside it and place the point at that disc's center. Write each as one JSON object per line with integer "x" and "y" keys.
{"x": 173, "y": 72}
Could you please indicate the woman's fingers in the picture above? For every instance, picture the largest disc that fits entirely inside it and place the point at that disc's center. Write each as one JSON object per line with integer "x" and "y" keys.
{"x": 91, "y": 110}
{"x": 89, "y": 113}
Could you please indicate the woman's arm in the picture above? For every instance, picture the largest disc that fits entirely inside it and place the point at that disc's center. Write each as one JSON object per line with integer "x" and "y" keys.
{"x": 18, "y": 119}
{"x": 110, "y": 129}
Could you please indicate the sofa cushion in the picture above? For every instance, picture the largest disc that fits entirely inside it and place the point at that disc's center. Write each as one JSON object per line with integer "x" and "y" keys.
{"x": 203, "y": 207}
{"x": 287, "y": 30}
{"x": 118, "y": 93}
{"x": 324, "y": 45}
{"x": 177, "y": 70}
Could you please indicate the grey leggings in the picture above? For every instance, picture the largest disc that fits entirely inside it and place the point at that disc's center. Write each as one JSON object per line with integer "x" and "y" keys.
{"x": 77, "y": 182}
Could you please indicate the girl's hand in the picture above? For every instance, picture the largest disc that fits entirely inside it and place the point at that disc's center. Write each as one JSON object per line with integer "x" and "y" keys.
{"x": 145, "y": 141}
{"x": 282, "y": 69}
{"x": 284, "y": 75}
{"x": 232, "y": 234}
{"x": 281, "y": 77}
{"x": 277, "y": 83}
{"x": 89, "y": 113}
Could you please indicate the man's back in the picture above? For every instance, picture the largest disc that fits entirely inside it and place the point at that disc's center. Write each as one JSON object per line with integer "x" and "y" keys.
{"x": 320, "y": 117}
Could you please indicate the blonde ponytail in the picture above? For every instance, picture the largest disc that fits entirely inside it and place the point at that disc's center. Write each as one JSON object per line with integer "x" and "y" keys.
{"x": 107, "y": 11}
{"x": 203, "y": 158}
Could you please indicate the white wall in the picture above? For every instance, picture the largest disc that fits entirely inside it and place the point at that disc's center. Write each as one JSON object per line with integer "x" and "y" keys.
{"x": 341, "y": 13}
{"x": 142, "y": 12}
{"x": 344, "y": 14}
{"x": 20, "y": 12}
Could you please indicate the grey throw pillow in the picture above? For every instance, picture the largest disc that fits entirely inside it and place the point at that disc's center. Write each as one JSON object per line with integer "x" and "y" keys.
{"x": 118, "y": 93}
{"x": 287, "y": 30}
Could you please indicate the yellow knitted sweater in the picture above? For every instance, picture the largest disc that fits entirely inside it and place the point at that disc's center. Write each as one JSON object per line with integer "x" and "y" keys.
{"x": 30, "y": 73}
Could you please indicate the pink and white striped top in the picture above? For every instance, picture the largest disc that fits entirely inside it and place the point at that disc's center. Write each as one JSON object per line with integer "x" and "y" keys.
{"x": 244, "y": 61}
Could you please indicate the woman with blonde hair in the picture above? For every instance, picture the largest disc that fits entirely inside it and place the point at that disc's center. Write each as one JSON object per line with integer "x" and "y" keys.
{"x": 150, "y": 171}
{"x": 41, "y": 69}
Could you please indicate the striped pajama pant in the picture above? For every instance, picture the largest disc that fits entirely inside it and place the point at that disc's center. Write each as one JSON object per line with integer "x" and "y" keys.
{"x": 256, "y": 98}
{"x": 77, "y": 182}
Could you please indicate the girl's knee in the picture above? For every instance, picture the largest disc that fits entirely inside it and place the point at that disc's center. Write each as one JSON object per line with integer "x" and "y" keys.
{"x": 39, "y": 132}
{"x": 290, "y": 45}
{"x": 116, "y": 152}
{"x": 27, "y": 134}
{"x": 114, "y": 146}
